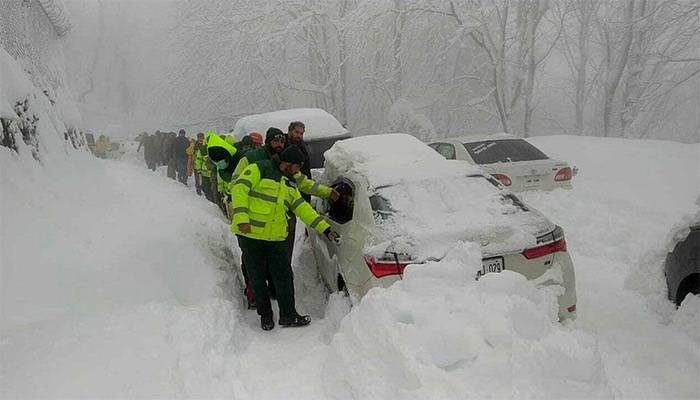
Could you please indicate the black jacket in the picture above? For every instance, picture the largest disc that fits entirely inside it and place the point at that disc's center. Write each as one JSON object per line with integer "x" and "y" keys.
{"x": 306, "y": 167}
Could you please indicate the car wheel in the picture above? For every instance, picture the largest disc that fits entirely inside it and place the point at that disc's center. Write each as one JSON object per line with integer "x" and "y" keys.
{"x": 689, "y": 285}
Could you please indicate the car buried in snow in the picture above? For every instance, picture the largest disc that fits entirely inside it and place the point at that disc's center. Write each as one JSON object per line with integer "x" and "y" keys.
{"x": 515, "y": 162}
{"x": 321, "y": 132}
{"x": 413, "y": 206}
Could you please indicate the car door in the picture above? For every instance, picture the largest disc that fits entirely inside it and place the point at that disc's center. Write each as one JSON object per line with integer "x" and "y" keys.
{"x": 339, "y": 215}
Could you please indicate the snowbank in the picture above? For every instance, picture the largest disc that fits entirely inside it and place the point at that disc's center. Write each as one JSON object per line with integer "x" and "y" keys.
{"x": 36, "y": 126}
{"x": 116, "y": 284}
{"x": 319, "y": 123}
{"x": 439, "y": 334}
{"x": 626, "y": 200}
{"x": 58, "y": 15}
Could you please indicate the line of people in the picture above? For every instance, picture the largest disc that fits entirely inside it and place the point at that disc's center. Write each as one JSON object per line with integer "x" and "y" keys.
{"x": 167, "y": 148}
{"x": 262, "y": 187}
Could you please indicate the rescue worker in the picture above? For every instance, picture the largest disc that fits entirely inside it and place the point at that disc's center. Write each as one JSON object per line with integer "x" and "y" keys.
{"x": 180, "y": 150}
{"x": 274, "y": 144}
{"x": 225, "y": 157}
{"x": 149, "y": 151}
{"x": 204, "y": 167}
{"x": 263, "y": 196}
{"x": 196, "y": 161}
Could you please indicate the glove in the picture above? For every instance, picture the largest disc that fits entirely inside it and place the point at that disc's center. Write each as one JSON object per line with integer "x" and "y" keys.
{"x": 332, "y": 236}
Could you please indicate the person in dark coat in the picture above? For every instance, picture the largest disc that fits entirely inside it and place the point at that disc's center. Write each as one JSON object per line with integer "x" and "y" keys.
{"x": 149, "y": 151}
{"x": 169, "y": 154}
{"x": 295, "y": 137}
{"x": 181, "y": 145}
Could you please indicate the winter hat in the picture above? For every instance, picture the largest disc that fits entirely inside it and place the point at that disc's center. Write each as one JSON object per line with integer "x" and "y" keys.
{"x": 246, "y": 141}
{"x": 256, "y": 137}
{"x": 292, "y": 155}
{"x": 273, "y": 133}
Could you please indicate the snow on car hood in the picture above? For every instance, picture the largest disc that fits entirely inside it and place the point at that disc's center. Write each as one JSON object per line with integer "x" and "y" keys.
{"x": 427, "y": 218}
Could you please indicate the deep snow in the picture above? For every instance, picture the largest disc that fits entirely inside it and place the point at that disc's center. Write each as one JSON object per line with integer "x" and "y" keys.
{"x": 117, "y": 282}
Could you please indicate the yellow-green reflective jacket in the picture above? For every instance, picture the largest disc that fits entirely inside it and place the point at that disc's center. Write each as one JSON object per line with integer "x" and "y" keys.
{"x": 201, "y": 161}
{"x": 304, "y": 184}
{"x": 262, "y": 196}
{"x": 221, "y": 148}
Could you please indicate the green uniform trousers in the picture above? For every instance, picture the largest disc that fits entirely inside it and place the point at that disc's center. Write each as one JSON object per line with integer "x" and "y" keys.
{"x": 261, "y": 257}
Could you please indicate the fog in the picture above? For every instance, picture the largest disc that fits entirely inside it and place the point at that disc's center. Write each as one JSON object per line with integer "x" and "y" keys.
{"x": 431, "y": 68}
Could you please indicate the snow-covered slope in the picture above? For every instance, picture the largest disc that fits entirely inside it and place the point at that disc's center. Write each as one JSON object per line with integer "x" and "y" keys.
{"x": 116, "y": 282}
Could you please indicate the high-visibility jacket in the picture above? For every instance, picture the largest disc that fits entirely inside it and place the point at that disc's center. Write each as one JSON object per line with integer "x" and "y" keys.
{"x": 201, "y": 160}
{"x": 224, "y": 146}
{"x": 304, "y": 184}
{"x": 262, "y": 197}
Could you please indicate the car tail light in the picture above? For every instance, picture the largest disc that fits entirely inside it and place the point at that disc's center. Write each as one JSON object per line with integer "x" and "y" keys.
{"x": 541, "y": 251}
{"x": 572, "y": 308}
{"x": 504, "y": 179}
{"x": 385, "y": 266}
{"x": 564, "y": 174}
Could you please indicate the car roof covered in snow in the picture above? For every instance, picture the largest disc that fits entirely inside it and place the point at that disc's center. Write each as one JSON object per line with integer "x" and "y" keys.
{"x": 319, "y": 123}
{"x": 387, "y": 159}
{"x": 478, "y": 138}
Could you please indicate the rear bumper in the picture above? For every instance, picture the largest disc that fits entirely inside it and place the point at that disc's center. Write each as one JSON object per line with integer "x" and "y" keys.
{"x": 562, "y": 260}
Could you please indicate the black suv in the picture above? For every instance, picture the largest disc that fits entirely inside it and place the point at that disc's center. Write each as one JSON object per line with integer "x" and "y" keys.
{"x": 682, "y": 268}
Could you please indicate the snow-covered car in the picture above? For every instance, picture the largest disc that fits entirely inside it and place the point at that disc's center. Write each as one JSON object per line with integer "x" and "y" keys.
{"x": 414, "y": 206}
{"x": 515, "y": 162}
{"x": 322, "y": 129}
{"x": 682, "y": 265}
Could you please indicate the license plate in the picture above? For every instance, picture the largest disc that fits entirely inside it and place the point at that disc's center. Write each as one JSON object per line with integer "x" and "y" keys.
{"x": 492, "y": 265}
{"x": 532, "y": 180}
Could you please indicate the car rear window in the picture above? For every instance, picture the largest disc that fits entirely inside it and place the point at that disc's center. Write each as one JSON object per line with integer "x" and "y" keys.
{"x": 316, "y": 149}
{"x": 506, "y": 150}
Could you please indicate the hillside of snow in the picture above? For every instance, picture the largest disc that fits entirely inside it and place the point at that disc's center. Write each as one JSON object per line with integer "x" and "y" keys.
{"x": 120, "y": 283}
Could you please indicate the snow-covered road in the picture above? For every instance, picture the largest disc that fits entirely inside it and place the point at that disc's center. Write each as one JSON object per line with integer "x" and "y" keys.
{"x": 117, "y": 282}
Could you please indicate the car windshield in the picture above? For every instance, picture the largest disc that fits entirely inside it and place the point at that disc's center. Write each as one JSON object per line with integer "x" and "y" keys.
{"x": 425, "y": 217}
{"x": 505, "y": 150}
{"x": 316, "y": 149}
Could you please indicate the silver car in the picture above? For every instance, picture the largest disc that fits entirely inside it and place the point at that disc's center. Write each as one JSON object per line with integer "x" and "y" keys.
{"x": 515, "y": 162}
{"x": 413, "y": 206}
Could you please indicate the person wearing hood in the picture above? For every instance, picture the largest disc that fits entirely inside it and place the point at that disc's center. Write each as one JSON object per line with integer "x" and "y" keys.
{"x": 263, "y": 196}
{"x": 225, "y": 156}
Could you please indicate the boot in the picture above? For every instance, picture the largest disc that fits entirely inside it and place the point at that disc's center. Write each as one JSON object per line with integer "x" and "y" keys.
{"x": 295, "y": 320}
{"x": 266, "y": 322}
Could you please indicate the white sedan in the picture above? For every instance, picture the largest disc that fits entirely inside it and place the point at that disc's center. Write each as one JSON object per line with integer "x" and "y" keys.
{"x": 516, "y": 163}
{"x": 413, "y": 206}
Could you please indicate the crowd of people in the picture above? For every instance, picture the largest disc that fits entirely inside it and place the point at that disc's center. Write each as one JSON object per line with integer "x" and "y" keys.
{"x": 261, "y": 186}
